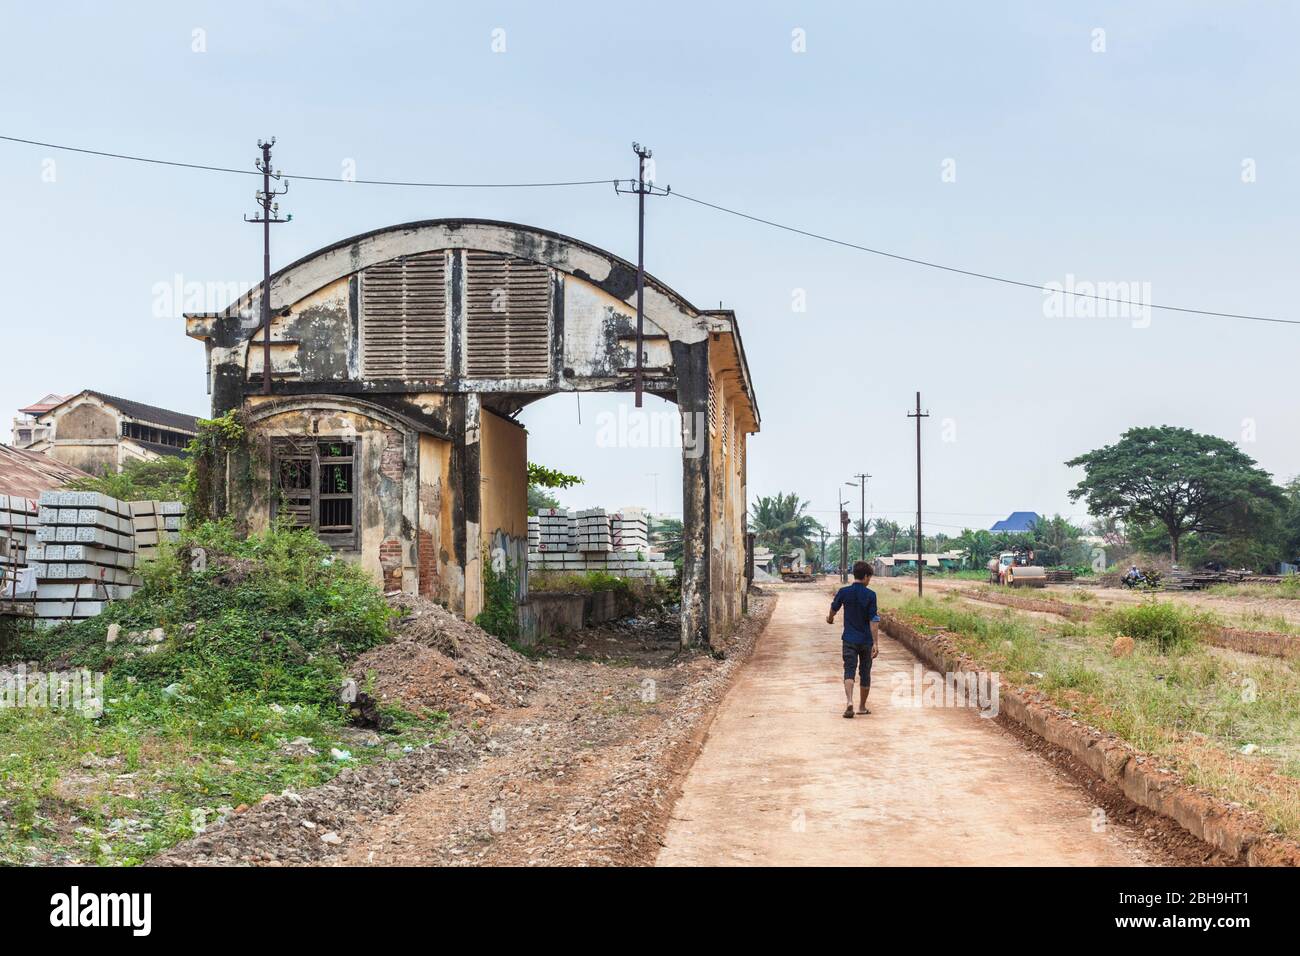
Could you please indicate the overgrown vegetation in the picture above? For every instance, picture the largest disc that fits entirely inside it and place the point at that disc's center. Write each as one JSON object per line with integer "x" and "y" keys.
{"x": 163, "y": 479}
{"x": 500, "y": 614}
{"x": 255, "y": 650}
{"x": 274, "y": 614}
{"x": 1167, "y": 627}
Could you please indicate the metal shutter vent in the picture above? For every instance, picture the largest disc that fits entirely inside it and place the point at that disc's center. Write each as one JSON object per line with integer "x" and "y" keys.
{"x": 507, "y": 318}
{"x": 404, "y": 318}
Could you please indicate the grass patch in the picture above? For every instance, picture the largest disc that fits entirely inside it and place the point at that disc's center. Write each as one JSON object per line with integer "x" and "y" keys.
{"x": 1170, "y": 628}
{"x": 258, "y": 632}
{"x": 1188, "y": 704}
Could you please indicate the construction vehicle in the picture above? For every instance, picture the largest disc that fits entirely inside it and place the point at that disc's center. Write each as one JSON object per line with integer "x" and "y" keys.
{"x": 793, "y": 567}
{"x": 1017, "y": 569}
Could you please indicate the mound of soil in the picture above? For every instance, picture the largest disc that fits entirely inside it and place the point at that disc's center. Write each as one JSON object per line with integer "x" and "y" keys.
{"x": 440, "y": 662}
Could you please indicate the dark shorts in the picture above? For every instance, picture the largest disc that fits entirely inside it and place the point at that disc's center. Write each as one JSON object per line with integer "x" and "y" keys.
{"x": 857, "y": 657}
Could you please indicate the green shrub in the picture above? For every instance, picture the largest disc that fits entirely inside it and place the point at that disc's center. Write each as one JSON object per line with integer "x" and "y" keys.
{"x": 275, "y": 614}
{"x": 1169, "y": 628}
{"x": 500, "y": 614}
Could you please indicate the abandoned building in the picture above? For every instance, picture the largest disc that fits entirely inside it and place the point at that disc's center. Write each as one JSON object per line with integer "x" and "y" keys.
{"x": 399, "y": 359}
{"x": 100, "y": 433}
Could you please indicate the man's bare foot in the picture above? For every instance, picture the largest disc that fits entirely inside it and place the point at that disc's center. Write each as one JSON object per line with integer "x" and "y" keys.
{"x": 863, "y": 710}
{"x": 848, "y": 711}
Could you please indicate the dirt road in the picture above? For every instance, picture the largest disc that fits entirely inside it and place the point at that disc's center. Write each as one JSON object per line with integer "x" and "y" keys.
{"x": 783, "y": 779}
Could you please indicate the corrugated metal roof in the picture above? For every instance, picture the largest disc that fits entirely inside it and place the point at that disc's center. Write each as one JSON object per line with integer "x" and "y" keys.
{"x": 29, "y": 473}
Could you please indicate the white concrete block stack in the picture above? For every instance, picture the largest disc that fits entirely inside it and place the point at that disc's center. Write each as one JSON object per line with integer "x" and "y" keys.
{"x": 594, "y": 540}
{"x": 593, "y": 531}
{"x": 85, "y": 554}
{"x": 556, "y": 532}
{"x": 18, "y": 522}
{"x": 628, "y": 530}
{"x": 154, "y": 522}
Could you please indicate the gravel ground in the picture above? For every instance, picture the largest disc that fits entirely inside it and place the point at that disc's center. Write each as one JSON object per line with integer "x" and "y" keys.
{"x": 575, "y": 759}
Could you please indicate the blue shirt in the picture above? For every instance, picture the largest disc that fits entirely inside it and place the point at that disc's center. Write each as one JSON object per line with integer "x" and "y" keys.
{"x": 859, "y": 603}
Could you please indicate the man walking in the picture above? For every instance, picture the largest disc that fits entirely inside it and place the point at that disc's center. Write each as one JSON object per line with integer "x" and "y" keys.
{"x": 859, "y": 603}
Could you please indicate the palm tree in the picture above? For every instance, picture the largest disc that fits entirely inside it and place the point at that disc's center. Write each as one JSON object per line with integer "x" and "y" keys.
{"x": 889, "y": 530}
{"x": 780, "y": 522}
{"x": 666, "y": 534}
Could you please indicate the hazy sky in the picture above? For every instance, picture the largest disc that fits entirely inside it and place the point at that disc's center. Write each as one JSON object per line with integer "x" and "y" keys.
{"x": 1110, "y": 157}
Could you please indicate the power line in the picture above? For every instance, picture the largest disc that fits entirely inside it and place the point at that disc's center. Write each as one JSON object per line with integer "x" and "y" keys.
{"x": 320, "y": 179}
{"x": 929, "y": 264}
{"x": 979, "y": 275}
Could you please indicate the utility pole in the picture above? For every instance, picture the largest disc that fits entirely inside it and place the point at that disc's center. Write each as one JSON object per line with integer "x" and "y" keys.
{"x": 920, "y": 563}
{"x": 862, "y": 524}
{"x": 641, "y": 189}
{"x": 270, "y": 213}
{"x": 844, "y": 546}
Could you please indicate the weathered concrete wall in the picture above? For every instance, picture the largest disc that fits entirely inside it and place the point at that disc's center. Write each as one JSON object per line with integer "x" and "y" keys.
{"x": 385, "y": 472}
{"x": 575, "y": 331}
{"x": 504, "y": 481}
{"x": 545, "y": 614}
{"x": 86, "y": 436}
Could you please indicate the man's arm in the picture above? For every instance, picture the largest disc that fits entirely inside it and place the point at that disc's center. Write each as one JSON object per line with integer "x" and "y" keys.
{"x": 873, "y": 617}
{"x": 835, "y": 606}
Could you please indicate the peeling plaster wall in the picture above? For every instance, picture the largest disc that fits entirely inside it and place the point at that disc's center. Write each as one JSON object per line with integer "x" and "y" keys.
{"x": 504, "y": 495}
{"x": 386, "y": 475}
{"x": 460, "y": 485}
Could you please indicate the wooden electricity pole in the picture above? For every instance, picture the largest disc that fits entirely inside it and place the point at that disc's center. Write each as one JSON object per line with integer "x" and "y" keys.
{"x": 920, "y": 561}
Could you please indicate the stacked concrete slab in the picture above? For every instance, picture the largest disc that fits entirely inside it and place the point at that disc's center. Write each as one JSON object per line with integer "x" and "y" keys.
{"x": 593, "y": 531}
{"x": 153, "y": 522}
{"x": 18, "y": 522}
{"x": 556, "y": 531}
{"x": 85, "y": 554}
{"x": 594, "y": 539}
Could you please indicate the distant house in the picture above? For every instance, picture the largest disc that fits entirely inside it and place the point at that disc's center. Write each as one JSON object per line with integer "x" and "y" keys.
{"x": 905, "y": 562}
{"x": 27, "y": 431}
{"x": 1017, "y": 522}
{"x": 100, "y": 433}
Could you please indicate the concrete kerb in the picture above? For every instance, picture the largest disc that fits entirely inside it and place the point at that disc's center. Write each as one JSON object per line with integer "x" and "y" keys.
{"x": 1239, "y": 834}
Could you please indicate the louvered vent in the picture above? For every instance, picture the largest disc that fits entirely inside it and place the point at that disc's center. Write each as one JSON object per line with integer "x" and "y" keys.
{"x": 404, "y": 318}
{"x": 508, "y": 317}
{"x": 713, "y": 408}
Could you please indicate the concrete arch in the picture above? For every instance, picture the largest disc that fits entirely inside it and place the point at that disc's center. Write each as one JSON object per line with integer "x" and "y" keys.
{"x": 465, "y": 369}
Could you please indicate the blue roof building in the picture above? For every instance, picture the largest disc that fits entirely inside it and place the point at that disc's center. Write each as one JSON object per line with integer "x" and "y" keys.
{"x": 1017, "y": 521}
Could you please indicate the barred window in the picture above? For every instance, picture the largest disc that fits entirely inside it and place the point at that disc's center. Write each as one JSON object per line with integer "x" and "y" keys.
{"x": 316, "y": 487}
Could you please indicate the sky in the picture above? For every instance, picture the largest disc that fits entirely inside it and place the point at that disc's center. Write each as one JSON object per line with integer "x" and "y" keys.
{"x": 1155, "y": 145}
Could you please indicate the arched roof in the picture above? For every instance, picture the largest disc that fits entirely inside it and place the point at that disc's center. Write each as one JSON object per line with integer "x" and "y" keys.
{"x": 611, "y": 273}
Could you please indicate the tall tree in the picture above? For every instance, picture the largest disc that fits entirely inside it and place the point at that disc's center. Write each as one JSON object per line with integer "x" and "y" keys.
{"x": 1184, "y": 481}
{"x": 781, "y": 522}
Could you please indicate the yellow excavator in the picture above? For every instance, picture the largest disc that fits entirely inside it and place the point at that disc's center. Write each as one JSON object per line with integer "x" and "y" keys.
{"x": 1017, "y": 569}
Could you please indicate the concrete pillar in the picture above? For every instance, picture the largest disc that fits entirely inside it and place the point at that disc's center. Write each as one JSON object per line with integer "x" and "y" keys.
{"x": 466, "y": 586}
{"x": 691, "y": 363}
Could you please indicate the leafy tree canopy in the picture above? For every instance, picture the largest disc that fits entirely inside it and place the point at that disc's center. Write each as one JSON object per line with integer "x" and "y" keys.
{"x": 1184, "y": 481}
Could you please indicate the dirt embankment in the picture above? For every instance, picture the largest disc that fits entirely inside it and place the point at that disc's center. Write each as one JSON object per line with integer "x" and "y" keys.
{"x": 570, "y": 759}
